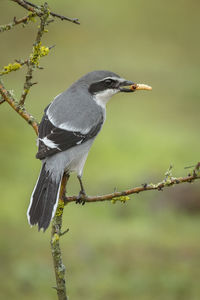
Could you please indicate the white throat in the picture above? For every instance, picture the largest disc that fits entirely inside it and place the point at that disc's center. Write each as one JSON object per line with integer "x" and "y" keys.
{"x": 102, "y": 98}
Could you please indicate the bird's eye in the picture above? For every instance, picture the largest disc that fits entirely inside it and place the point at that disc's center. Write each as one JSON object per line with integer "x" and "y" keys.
{"x": 108, "y": 82}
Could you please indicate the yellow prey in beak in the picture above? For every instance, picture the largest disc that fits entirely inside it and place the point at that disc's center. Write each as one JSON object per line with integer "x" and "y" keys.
{"x": 129, "y": 87}
{"x": 140, "y": 86}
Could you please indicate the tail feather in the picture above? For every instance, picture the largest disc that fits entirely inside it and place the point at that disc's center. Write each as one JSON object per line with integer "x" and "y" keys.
{"x": 44, "y": 199}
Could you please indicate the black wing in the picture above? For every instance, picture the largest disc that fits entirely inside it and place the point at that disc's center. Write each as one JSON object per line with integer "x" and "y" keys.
{"x": 60, "y": 139}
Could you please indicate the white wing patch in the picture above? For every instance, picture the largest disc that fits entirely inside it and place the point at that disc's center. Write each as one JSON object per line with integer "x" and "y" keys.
{"x": 49, "y": 143}
{"x": 79, "y": 142}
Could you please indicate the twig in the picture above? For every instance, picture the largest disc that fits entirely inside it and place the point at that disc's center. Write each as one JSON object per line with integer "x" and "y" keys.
{"x": 73, "y": 20}
{"x": 34, "y": 59}
{"x": 15, "y": 22}
{"x": 55, "y": 245}
{"x": 33, "y": 62}
{"x": 43, "y": 13}
{"x": 145, "y": 187}
{"x": 22, "y": 3}
{"x": 21, "y": 111}
{"x": 37, "y": 9}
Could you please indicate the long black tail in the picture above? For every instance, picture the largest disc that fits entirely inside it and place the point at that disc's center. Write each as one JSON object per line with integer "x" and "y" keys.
{"x": 44, "y": 199}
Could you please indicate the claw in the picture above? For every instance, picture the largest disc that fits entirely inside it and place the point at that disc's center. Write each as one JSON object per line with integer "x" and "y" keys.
{"x": 81, "y": 198}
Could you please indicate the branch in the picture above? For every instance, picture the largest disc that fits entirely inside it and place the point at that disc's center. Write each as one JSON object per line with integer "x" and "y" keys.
{"x": 25, "y": 5}
{"x": 35, "y": 56}
{"x": 15, "y": 22}
{"x": 56, "y": 233}
{"x": 122, "y": 196}
{"x": 33, "y": 62}
{"x": 37, "y": 9}
{"x": 6, "y": 95}
{"x": 73, "y": 20}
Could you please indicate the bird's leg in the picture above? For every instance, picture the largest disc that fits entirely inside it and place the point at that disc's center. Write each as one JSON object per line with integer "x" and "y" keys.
{"x": 82, "y": 193}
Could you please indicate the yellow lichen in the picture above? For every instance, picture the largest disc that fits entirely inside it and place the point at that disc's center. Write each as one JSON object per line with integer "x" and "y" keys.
{"x": 10, "y": 67}
{"x": 55, "y": 238}
{"x": 122, "y": 199}
{"x": 38, "y": 52}
{"x": 32, "y": 18}
{"x": 44, "y": 51}
{"x": 60, "y": 208}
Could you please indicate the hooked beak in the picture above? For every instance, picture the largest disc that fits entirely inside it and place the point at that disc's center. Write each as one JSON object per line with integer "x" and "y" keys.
{"x": 129, "y": 87}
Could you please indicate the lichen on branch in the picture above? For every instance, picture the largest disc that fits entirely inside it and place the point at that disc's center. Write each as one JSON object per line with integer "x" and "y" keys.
{"x": 56, "y": 233}
{"x": 10, "y": 67}
{"x": 24, "y": 21}
{"x": 38, "y": 52}
{"x": 168, "y": 181}
{"x": 44, "y": 14}
{"x": 32, "y": 63}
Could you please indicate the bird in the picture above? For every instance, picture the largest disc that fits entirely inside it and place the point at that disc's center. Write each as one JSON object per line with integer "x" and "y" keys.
{"x": 67, "y": 131}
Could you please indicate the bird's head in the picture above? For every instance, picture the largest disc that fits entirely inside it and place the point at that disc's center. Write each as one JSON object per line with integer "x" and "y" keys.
{"x": 102, "y": 85}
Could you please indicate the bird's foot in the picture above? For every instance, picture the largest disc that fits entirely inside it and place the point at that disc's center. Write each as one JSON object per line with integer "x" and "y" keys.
{"x": 81, "y": 198}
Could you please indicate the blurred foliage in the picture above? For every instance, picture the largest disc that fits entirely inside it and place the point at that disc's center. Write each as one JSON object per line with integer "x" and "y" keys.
{"x": 122, "y": 251}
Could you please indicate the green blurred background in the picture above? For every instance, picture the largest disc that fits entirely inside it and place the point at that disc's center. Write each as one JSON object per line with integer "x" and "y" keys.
{"x": 148, "y": 248}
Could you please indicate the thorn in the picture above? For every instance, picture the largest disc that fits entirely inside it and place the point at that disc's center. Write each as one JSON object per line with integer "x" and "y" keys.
{"x": 64, "y": 232}
{"x": 144, "y": 185}
{"x": 55, "y": 287}
{"x": 51, "y": 47}
{"x": 50, "y": 21}
{"x": 34, "y": 83}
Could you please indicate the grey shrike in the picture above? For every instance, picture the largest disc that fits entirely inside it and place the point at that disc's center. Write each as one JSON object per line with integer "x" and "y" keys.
{"x": 68, "y": 129}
